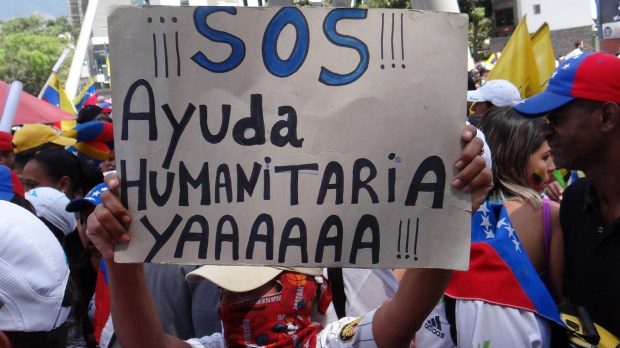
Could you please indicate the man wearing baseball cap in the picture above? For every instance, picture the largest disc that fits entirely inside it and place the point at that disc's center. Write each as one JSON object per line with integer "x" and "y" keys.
{"x": 582, "y": 106}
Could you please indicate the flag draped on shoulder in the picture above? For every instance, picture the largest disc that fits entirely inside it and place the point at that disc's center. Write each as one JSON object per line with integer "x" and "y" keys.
{"x": 87, "y": 96}
{"x": 55, "y": 94}
{"x": 517, "y": 63}
{"x": 543, "y": 53}
{"x": 500, "y": 271}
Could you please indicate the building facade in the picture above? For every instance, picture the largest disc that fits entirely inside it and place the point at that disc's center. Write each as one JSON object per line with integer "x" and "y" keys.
{"x": 609, "y": 19}
{"x": 570, "y": 21}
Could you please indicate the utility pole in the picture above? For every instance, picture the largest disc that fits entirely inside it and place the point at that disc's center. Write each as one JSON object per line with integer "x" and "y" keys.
{"x": 73, "y": 80}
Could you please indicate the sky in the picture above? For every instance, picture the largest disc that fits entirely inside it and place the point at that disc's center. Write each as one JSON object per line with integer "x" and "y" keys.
{"x": 24, "y": 8}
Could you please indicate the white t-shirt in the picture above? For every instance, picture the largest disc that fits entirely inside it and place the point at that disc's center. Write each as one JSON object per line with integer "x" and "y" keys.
{"x": 365, "y": 289}
{"x": 481, "y": 324}
{"x": 345, "y": 333}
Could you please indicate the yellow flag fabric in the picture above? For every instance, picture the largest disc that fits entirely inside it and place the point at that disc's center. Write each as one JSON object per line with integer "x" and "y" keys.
{"x": 517, "y": 63}
{"x": 543, "y": 53}
{"x": 62, "y": 102}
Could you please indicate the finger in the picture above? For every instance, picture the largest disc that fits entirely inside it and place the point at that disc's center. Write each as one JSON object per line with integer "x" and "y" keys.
{"x": 100, "y": 237}
{"x": 468, "y": 133}
{"x": 470, "y": 151}
{"x": 112, "y": 202}
{"x": 480, "y": 184}
{"x": 467, "y": 174}
{"x": 112, "y": 182}
{"x": 108, "y": 216}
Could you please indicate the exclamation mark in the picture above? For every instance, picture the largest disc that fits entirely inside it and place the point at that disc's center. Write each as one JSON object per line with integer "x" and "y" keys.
{"x": 400, "y": 226}
{"x": 402, "y": 41}
{"x": 415, "y": 242}
{"x": 176, "y": 42}
{"x": 392, "y": 41}
{"x": 383, "y": 65}
{"x": 155, "y": 52}
{"x": 165, "y": 40}
{"x": 407, "y": 240}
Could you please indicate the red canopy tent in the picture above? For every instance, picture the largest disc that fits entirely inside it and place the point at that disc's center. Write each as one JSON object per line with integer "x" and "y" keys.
{"x": 33, "y": 110}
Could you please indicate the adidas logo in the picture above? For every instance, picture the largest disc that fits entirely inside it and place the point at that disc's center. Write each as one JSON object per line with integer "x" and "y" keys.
{"x": 434, "y": 325}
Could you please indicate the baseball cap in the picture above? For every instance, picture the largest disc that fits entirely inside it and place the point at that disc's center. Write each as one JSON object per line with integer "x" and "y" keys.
{"x": 497, "y": 92}
{"x": 34, "y": 135}
{"x": 93, "y": 197}
{"x": 50, "y": 204}
{"x": 9, "y": 184}
{"x": 244, "y": 278}
{"x": 5, "y": 141}
{"x": 592, "y": 76}
{"x": 33, "y": 273}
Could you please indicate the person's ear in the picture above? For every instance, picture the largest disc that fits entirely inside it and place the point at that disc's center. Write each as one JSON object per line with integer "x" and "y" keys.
{"x": 65, "y": 184}
{"x": 4, "y": 341}
{"x": 610, "y": 117}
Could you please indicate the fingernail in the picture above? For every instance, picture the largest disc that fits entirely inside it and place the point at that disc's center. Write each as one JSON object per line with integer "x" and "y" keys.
{"x": 458, "y": 164}
{"x": 126, "y": 219}
{"x": 113, "y": 182}
{"x": 469, "y": 133}
{"x": 456, "y": 182}
{"x": 125, "y": 238}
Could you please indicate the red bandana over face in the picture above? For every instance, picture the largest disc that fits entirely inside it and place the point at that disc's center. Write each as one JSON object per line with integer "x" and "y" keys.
{"x": 280, "y": 320}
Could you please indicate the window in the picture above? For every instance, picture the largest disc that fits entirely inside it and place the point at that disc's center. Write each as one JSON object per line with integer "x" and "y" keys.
{"x": 504, "y": 17}
{"x": 537, "y": 9}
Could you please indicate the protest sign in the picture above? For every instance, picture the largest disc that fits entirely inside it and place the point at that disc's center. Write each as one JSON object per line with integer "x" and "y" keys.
{"x": 290, "y": 136}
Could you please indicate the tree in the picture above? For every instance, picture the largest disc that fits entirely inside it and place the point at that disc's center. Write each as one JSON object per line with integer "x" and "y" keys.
{"x": 480, "y": 25}
{"x": 29, "y": 48}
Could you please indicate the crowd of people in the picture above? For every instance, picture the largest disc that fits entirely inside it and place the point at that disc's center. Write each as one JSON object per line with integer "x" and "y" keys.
{"x": 61, "y": 219}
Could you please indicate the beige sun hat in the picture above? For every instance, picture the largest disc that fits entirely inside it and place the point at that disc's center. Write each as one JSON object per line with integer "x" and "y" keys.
{"x": 244, "y": 278}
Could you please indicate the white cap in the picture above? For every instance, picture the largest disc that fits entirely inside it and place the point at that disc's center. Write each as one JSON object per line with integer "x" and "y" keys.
{"x": 33, "y": 273}
{"x": 497, "y": 92}
{"x": 244, "y": 278}
{"x": 50, "y": 204}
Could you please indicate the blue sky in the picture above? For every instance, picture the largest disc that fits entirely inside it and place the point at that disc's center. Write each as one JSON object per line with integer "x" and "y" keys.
{"x": 24, "y": 8}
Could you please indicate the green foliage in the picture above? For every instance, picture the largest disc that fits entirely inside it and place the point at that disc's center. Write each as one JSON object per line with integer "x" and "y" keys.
{"x": 480, "y": 24}
{"x": 29, "y": 48}
{"x": 389, "y": 4}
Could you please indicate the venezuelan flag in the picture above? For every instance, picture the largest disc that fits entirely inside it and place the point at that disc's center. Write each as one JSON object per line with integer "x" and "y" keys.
{"x": 497, "y": 257}
{"x": 55, "y": 94}
{"x": 87, "y": 96}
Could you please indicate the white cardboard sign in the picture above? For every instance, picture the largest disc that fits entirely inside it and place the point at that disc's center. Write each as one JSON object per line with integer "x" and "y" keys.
{"x": 288, "y": 136}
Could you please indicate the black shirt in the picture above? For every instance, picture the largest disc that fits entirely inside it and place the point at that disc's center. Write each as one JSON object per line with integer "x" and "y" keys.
{"x": 592, "y": 256}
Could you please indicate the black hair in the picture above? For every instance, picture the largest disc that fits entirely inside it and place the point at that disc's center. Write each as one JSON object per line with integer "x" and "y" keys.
{"x": 56, "y": 338}
{"x": 471, "y": 84}
{"x": 578, "y": 43}
{"x": 59, "y": 163}
{"x": 22, "y": 157}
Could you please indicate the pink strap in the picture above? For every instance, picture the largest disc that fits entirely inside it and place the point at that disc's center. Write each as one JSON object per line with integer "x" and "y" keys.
{"x": 546, "y": 206}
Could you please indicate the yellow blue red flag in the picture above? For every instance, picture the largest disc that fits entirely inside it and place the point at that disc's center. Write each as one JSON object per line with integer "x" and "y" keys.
{"x": 55, "y": 94}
